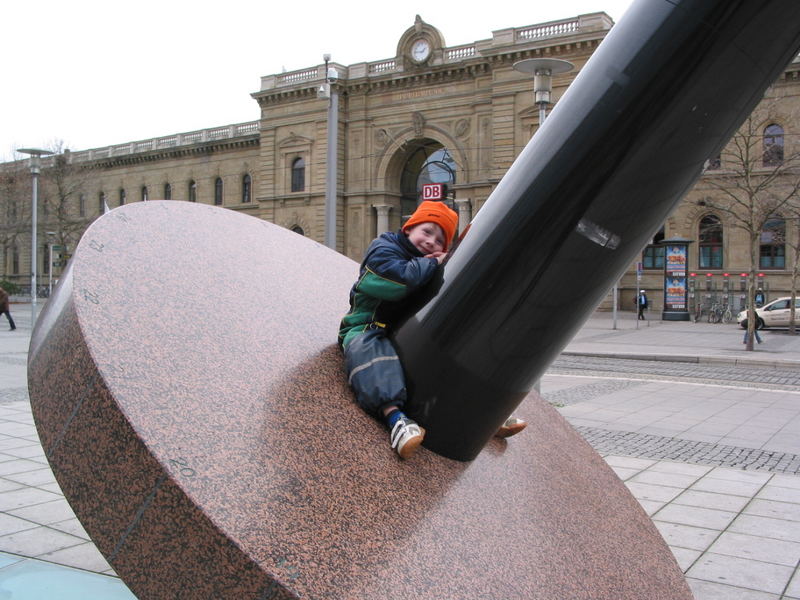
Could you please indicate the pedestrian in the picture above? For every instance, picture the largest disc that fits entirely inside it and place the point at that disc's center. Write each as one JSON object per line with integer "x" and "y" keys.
{"x": 758, "y": 337}
{"x": 5, "y": 307}
{"x": 760, "y": 298}
{"x": 641, "y": 304}
{"x": 396, "y": 266}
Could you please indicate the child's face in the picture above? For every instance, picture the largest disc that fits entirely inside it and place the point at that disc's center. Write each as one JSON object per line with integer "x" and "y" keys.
{"x": 426, "y": 237}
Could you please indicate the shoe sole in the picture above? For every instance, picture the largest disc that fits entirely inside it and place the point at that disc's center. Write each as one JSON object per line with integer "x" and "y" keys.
{"x": 508, "y": 431}
{"x": 411, "y": 445}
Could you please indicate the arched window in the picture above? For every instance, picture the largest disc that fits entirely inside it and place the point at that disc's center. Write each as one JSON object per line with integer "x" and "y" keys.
{"x": 773, "y": 145}
{"x": 102, "y": 205}
{"x": 15, "y": 260}
{"x": 246, "y": 188}
{"x": 653, "y": 255}
{"x": 710, "y": 238}
{"x": 298, "y": 175}
{"x": 298, "y": 229}
{"x": 218, "y": 192}
{"x": 192, "y": 191}
{"x": 772, "y": 250}
{"x": 144, "y": 193}
{"x": 122, "y": 196}
{"x": 82, "y": 205}
{"x": 167, "y": 191}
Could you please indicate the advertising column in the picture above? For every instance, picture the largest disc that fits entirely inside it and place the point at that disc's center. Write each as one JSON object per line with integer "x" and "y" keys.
{"x": 676, "y": 260}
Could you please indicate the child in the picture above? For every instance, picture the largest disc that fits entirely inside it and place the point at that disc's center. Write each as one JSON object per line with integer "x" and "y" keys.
{"x": 395, "y": 267}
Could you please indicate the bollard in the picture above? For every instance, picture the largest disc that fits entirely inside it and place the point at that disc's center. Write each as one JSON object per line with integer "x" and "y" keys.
{"x": 665, "y": 90}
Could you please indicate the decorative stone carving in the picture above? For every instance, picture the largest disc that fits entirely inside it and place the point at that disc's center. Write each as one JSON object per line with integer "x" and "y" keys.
{"x": 461, "y": 128}
{"x": 418, "y": 122}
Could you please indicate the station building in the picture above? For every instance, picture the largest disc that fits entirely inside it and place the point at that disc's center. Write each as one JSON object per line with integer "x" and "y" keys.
{"x": 456, "y": 115}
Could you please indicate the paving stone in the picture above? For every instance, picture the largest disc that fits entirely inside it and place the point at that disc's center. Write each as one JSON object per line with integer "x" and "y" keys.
{"x": 779, "y": 529}
{"x": 695, "y": 516}
{"x": 758, "y": 548}
{"x": 686, "y": 536}
{"x": 743, "y": 573}
{"x": 707, "y": 590}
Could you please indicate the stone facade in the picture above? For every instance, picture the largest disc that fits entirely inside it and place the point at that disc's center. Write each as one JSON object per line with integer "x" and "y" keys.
{"x": 467, "y": 106}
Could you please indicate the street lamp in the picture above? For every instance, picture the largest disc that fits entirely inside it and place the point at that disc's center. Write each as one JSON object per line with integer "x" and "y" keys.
{"x": 543, "y": 70}
{"x": 36, "y": 155}
{"x": 328, "y": 91}
{"x": 50, "y": 236}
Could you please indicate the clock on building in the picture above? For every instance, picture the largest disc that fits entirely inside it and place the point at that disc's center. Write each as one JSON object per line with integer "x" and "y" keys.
{"x": 420, "y": 50}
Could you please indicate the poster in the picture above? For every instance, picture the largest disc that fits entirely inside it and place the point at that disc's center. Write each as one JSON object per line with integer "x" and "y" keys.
{"x": 675, "y": 278}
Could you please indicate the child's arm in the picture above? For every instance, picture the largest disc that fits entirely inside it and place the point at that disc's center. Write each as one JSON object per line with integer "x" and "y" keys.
{"x": 390, "y": 275}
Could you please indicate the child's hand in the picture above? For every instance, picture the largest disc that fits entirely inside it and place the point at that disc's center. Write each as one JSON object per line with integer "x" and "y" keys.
{"x": 439, "y": 256}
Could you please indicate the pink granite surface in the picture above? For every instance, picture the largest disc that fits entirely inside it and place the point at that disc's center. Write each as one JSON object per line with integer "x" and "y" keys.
{"x": 219, "y": 454}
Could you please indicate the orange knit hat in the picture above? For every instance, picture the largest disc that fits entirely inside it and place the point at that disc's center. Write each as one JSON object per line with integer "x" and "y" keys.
{"x": 433, "y": 211}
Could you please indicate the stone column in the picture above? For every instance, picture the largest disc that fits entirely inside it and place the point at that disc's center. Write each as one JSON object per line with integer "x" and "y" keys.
{"x": 464, "y": 208}
{"x": 383, "y": 218}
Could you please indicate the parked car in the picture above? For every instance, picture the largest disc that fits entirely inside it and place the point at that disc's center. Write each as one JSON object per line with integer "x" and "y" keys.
{"x": 774, "y": 314}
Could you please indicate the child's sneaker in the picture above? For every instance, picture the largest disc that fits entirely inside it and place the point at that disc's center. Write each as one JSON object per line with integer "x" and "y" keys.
{"x": 406, "y": 436}
{"x": 511, "y": 426}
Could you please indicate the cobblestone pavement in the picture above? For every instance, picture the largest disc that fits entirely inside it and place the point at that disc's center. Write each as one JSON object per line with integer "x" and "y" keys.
{"x": 626, "y": 443}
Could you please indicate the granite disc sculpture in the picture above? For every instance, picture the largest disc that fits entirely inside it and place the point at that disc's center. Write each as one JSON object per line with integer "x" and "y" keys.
{"x": 192, "y": 403}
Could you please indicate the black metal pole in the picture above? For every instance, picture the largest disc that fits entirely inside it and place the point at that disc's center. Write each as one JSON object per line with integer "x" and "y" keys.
{"x": 665, "y": 90}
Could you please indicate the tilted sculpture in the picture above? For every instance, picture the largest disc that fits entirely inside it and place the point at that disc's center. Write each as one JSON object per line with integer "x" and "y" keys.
{"x": 197, "y": 449}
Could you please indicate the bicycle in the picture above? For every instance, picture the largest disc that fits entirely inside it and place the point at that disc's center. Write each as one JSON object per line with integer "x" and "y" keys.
{"x": 715, "y": 313}
{"x": 727, "y": 315}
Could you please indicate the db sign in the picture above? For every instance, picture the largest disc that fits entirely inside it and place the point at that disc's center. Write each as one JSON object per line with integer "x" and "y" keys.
{"x": 432, "y": 191}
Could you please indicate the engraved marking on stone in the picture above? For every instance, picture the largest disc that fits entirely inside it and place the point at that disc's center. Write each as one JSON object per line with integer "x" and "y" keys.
{"x": 91, "y": 296}
{"x": 95, "y": 245}
{"x": 69, "y": 420}
{"x": 138, "y": 516}
{"x": 123, "y": 217}
{"x": 182, "y": 465}
{"x": 597, "y": 234}
{"x": 117, "y": 371}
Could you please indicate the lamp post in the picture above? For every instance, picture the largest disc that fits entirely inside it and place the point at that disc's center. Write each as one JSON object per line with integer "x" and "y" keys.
{"x": 543, "y": 70}
{"x": 36, "y": 155}
{"x": 50, "y": 236}
{"x": 327, "y": 91}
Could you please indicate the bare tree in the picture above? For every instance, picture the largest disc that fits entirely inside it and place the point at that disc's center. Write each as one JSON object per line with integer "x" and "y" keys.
{"x": 59, "y": 210}
{"x": 62, "y": 196}
{"x": 756, "y": 184}
{"x": 14, "y": 182}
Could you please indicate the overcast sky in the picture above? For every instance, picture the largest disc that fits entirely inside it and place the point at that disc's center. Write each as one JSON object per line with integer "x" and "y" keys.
{"x": 91, "y": 73}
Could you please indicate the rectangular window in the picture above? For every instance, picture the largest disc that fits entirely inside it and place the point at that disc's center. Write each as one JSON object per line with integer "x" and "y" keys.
{"x": 710, "y": 257}
{"x": 772, "y": 257}
{"x": 653, "y": 257}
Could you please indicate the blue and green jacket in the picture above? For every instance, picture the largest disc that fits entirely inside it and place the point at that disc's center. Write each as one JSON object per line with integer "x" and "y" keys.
{"x": 392, "y": 270}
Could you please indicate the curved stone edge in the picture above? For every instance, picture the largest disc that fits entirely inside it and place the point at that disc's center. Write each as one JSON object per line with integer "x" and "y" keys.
{"x": 61, "y": 368}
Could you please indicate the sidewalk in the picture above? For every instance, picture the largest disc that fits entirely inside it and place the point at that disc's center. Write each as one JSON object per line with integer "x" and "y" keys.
{"x": 679, "y": 447}
{"x": 715, "y": 466}
{"x": 711, "y": 343}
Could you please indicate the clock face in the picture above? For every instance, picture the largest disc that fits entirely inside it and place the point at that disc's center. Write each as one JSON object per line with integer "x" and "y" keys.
{"x": 420, "y": 50}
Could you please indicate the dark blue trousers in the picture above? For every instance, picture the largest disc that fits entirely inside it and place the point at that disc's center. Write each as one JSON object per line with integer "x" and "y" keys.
{"x": 374, "y": 372}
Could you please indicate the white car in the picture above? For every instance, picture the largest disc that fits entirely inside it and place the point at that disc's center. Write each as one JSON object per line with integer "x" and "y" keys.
{"x": 774, "y": 314}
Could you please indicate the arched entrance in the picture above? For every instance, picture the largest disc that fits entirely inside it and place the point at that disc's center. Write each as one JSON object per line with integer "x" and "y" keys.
{"x": 427, "y": 162}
